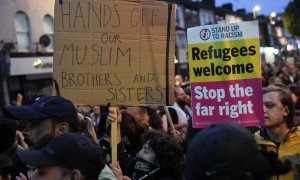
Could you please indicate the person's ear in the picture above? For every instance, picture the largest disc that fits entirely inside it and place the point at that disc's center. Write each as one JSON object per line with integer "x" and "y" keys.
{"x": 61, "y": 128}
{"x": 286, "y": 111}
{"x": 76, "y": 175}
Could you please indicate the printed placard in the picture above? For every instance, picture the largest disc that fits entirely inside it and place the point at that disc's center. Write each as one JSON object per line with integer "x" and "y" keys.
{"x": 225, "y": 73}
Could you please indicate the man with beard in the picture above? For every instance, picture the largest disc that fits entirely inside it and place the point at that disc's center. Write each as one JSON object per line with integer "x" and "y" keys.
{"x": 183, "y": 112}
{"x": 279, "y": 133}
{"x": 48, "y": 117}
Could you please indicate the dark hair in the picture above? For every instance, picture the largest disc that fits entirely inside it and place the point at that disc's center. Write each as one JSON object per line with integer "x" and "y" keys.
{"x": 133, "y": 130}
{"x": 168, "y": 154}
{"x": 285, "y": 99}
{"x": 103, "y": 118}
{"x": 154, "y": 118}
{"x": 6, "y": 166}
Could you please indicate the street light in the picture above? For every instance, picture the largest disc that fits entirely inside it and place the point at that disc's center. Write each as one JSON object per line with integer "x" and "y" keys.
{"x": 272, "y": 15}
{"x": 255, "y": 9}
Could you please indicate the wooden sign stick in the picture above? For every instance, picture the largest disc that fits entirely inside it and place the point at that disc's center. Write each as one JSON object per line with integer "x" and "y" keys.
{"x": 114, "y": 139}
{"x": 169, "y": 119}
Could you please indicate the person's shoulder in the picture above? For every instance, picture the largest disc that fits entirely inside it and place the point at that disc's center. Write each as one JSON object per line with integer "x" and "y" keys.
{"x": 295, "y": 131}
{"x": 258, "y": 136}
{"x": 297, "y": 128}
{"x": 107, "y": 174}
{"x": 261, "y": 137}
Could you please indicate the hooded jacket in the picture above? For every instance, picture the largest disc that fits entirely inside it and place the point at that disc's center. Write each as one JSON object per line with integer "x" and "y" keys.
{"x": 288, "y": 148}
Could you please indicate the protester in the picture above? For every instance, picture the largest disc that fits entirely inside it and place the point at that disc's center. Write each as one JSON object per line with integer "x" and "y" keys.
{"x": 9, "y": 146}
{"x": 279, "y": 133}
{"x": 69, "y": 156}
{"x": 183, "y": 112}
{"x": 48, "y": 117}
{"x": 147, "y": 116}
{"x": 87, "y": 128}
{"x": 225, "y": 151}
{"x": 132, "y": 134}
{"x": 95, "y": 116}
{"x": 98, "y": 116}
{"x": 160, "y": 158}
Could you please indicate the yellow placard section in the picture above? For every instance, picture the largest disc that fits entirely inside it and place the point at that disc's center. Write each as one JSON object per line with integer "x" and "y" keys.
{"x": 114, "y": 51}
{"x": 225, "y": 60}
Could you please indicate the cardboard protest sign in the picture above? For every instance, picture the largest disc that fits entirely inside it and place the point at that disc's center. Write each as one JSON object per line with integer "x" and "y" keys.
{"x": 225, "y": 73}
{"x": 114, "y": 51}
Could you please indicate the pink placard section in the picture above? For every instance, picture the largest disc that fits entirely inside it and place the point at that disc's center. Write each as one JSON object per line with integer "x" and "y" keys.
{"x": 238, "y": 101}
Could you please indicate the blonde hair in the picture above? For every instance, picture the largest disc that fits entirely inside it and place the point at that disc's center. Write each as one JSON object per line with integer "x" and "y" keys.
{"x": 87, "y": 127}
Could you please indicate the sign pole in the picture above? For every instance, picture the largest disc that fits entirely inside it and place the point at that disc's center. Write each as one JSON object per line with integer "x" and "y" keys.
{"x": 114, "y": 139}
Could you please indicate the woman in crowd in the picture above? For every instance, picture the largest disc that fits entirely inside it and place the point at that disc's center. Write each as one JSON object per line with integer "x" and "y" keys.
{"x": 160, "y": 158}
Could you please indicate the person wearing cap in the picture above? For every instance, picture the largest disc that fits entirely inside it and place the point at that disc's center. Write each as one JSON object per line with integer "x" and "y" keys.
{"x": 279, "y": 133}
{"x": 225, "y": 151}
{"x": 48, "y": 117}
{"x": 68, "y": 156}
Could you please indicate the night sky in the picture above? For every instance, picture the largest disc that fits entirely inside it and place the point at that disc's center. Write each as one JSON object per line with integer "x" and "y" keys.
{"x": 266, "y": 6}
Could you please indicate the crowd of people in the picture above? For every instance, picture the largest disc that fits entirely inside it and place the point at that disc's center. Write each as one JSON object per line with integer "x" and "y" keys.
{"x": 54, "y": 139}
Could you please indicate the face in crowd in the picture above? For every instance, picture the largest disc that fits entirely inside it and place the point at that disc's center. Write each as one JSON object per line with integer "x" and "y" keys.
{"x": 278, "y": 107}
{"x": 147, "y": 154}
{"x": 180, "y": 96}
{"x": 96, "y": 110}
{"x": 274, "y": 111}
{"x": 40, "y": 132}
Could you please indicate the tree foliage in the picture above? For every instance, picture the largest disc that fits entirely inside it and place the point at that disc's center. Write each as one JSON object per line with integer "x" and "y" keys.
{"x": 291, "y": 17}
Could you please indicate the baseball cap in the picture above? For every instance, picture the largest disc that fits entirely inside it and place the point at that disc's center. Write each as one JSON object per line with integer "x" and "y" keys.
{"x": 45, "y": 107}
{"x": 70, "y": 151}
{"x": 224, "y": 151}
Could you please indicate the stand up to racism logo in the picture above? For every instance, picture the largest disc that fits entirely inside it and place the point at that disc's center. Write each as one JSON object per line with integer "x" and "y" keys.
{"x": 205, "y": 34}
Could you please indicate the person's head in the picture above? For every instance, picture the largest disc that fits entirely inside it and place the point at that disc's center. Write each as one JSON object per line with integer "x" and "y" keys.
{"x": 86, "y": 127}
{"x": 8, "y": 129}
{"x": 7, "y": 168}
{"x": 225, "y": 151}
{"x": 96, "y": 110}
{"x": 278, "y": 106}
{"x": 141, "y": 115}
{"x": 178, "y": 80}
{"x": 162, "y": 150}
{"x": 155, "y": 121}
{"x": 48, "y": 117}
{"x": 130, "y": 127}
{"x": 70, "y": 156}
{"x": 180, "y": 96}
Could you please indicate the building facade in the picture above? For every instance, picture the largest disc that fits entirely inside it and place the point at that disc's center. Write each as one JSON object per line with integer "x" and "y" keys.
{"x": 26, "y": 48}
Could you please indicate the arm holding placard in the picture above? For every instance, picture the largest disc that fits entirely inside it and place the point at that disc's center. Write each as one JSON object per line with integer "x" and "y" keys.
{"x": 115, "y": 118}
{"x": 126, "y": 161}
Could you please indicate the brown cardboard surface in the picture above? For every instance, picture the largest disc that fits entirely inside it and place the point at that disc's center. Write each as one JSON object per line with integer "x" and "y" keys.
{"x": 114, "y": 51}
